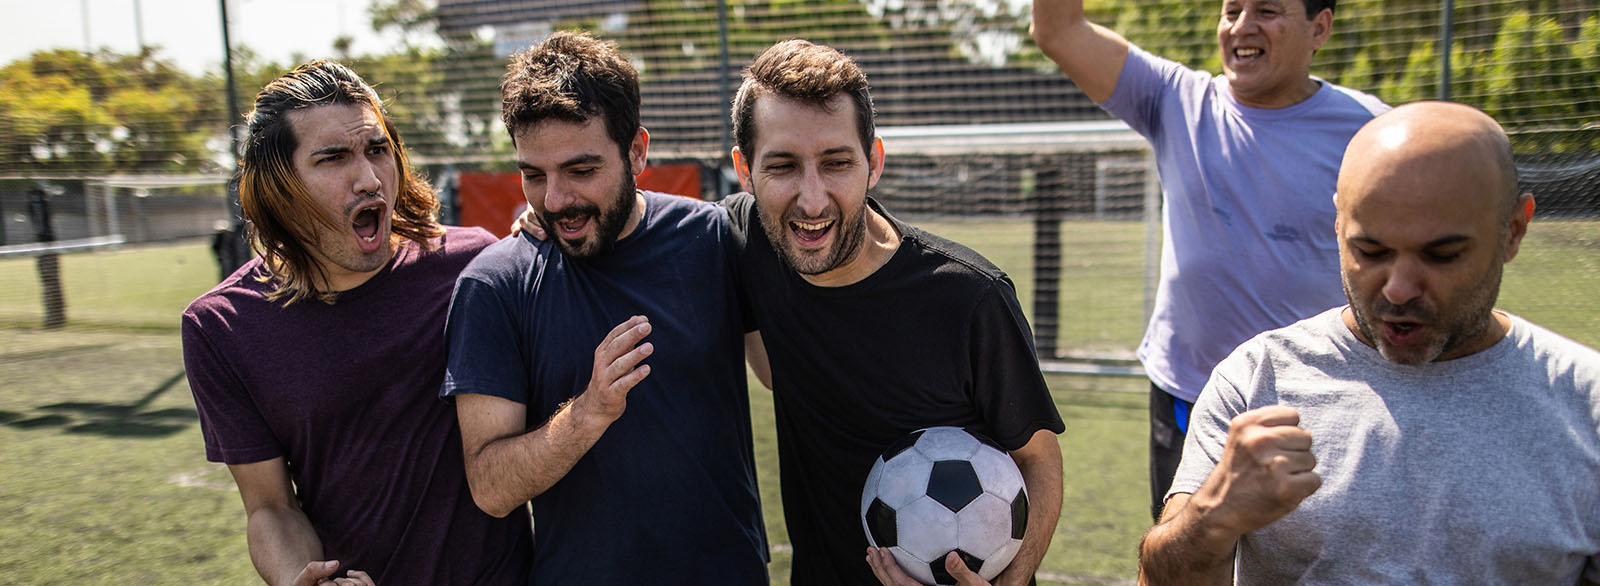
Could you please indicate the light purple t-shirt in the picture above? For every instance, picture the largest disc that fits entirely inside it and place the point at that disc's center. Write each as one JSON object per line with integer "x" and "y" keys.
{"x": 1248, "y": 243}
{"x": 348, "y": 395}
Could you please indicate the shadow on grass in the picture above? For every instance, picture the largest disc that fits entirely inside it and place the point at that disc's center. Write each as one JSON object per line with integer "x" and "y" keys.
{"x": 110, "y": 419}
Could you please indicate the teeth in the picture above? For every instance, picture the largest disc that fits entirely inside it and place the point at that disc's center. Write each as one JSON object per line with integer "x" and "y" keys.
{"x": 1247, "y": 52}
{"x": 370, "y": 238}
{"x": 816, "y": 226}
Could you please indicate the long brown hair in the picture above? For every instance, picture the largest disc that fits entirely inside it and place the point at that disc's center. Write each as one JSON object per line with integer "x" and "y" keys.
{"x": 277, "y": 206}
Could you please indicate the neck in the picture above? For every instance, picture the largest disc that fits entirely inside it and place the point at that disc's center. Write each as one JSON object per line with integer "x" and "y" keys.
{"x": 635, "y": 216}
{"x": 1283, "y": 98}
{"x": 881, "y": 243}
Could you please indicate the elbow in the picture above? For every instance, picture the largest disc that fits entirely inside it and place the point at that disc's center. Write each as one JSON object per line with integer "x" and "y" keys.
{"x": 484, "y": 494}
{"x": 487, "y": 502}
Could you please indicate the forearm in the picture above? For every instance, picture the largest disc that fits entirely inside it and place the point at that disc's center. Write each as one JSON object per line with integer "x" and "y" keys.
{"x": 1040, "y": 464}
{"x": 282, "y": 541}
{"x": 1184, "y": 549}
{"x": 510, "y": 471}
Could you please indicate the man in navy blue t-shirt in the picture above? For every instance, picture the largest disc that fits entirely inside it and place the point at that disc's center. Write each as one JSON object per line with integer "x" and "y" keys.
{"x": 634, "y": 475}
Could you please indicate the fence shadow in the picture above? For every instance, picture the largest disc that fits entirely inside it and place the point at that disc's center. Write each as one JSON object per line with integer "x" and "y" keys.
{"x": 109, "y": 419}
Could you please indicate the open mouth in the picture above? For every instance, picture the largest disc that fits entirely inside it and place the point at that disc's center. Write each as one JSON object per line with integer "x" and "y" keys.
{"x": 810, "y": 232}
{"x": 572, "y": 226}
{"x": 366, "y": 223}
{"x": 1401, "y": 331}
{"x": 1246, "y": 54}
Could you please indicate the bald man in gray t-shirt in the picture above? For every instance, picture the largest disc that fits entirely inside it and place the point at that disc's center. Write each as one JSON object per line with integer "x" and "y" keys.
{"x": 1417, "y": 435}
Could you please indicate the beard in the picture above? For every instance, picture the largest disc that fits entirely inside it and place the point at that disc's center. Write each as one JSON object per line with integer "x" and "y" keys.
{"x": 608, "y": 221}
{"x": 1450, "y": 330}
{"x": 849, "y": 232}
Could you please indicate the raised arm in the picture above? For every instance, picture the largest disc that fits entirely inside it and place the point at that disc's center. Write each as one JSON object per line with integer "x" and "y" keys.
{"x": 283, "y": 546}
{"x": 1265, "y": 471}
{"x": 507, "y": 465}
{"x": 1090, "y": 54}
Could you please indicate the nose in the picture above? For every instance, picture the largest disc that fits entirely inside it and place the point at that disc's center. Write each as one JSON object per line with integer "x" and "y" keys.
{"x": 558, "y": 193}
{"x": 1404, "y": 282}
{"x": 1245, "y": 22}
{"x": 813, "y": 198}
{"x": 366, "y": 180}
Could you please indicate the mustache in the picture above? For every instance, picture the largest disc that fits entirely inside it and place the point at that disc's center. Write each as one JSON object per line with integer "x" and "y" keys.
{"x": 1409, "y": 310}
{"x": 576, "y": 211}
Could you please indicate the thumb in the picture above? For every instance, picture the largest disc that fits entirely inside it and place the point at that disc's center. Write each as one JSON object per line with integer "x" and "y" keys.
{"x": 315, "y": 571}
{"x": 958, "y": 569}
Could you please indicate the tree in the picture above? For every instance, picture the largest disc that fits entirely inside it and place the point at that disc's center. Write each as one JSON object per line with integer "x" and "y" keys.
{"x": 66, "y": 112}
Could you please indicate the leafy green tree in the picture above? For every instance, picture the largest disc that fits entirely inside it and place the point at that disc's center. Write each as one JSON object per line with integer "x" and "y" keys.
{"x": 64, "y": 112}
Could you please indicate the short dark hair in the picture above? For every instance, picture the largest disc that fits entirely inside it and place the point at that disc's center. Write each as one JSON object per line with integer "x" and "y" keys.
{"x": 275, "y": 202}
{"x": 571, "y": 77}
{"x": 801, "y": 70}
{"x": 1314, "y": 7}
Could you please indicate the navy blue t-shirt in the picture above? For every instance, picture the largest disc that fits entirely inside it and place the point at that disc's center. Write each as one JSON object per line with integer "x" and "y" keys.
{"x": 668, "y": 494}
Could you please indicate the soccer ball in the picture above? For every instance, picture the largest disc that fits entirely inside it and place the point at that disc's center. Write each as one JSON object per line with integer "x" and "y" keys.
{"x": 942, "y": 489}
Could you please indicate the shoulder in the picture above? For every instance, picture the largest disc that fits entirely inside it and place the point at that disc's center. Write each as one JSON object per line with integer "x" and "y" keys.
{"x": 952, "y": 258}
{"x": 678, "y": 211}
{"x": 1563, "y": 357}
{"x": 1354, "y": 102}
{"x": 1310, "y": 341}
{"x": 239, "y": 292}
{"x": 507, "y": 259}
{"x": 465, "y": 240}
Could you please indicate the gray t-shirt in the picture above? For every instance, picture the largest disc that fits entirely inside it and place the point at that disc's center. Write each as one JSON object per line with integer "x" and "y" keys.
{"x": 1480, "y": 470}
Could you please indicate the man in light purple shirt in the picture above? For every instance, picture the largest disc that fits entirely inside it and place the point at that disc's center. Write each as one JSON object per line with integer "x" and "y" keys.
{"x": 1248, "y": 161}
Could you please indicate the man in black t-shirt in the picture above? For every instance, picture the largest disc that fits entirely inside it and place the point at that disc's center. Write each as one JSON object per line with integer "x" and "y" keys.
{"x": 874, "y": 328}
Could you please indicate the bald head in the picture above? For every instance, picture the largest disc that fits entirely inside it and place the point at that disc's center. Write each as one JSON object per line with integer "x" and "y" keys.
{"x": 1428, "y": 214}
{"x": 1434, "y": 143}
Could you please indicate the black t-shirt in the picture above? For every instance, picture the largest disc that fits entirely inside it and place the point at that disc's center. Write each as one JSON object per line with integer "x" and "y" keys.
{"x": 934, "y": 337}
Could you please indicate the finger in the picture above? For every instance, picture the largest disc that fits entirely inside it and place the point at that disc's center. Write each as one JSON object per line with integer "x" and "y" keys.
{"x": 1293, "y": 463}
{"x": 886, "y": 570}
{"x": 1270, "y": 416}
{"x": 627, "y": 363}
{"x": 622, "y": 338}
{"x": 360, "y": 577}
{"x": 958, "y": 569}
{"x": 315, "y": 572}
{"x": 628, "y": 380}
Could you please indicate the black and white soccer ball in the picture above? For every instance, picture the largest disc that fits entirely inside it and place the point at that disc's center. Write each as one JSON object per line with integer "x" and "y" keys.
{"x": 942, "y": 489}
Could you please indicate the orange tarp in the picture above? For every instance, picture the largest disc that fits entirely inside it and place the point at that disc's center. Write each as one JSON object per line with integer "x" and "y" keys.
{"x": 493, "y": 200}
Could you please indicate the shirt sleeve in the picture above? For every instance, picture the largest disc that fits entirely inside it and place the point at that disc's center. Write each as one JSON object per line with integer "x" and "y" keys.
{"x": 1220, "y": 401}
{"x": 234, "y": 430}
{"x": 1144, "y": 83}
{"x": 1010, "y": 391}
{"x": 483, "y": 345}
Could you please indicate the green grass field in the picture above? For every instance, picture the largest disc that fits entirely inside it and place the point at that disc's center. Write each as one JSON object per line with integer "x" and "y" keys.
{"x": 105, "y": 480}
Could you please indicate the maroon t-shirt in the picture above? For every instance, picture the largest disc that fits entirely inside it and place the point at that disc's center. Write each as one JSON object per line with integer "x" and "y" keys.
{"x": 348, "y": 395}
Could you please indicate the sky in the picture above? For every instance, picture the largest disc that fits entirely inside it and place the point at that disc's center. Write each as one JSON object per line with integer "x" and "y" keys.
{"x": 189, "y": 32}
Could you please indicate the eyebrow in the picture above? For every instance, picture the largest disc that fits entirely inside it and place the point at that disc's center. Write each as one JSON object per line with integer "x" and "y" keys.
{"x": 1435, "y": 243}
{"x": 833, "y": 151}
{"x": 577, "y": 160}
{"x": 341, "y": 149}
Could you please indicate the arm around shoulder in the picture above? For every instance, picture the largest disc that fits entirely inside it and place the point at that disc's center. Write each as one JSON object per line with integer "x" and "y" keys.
{"x": 1090, "y": 54}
